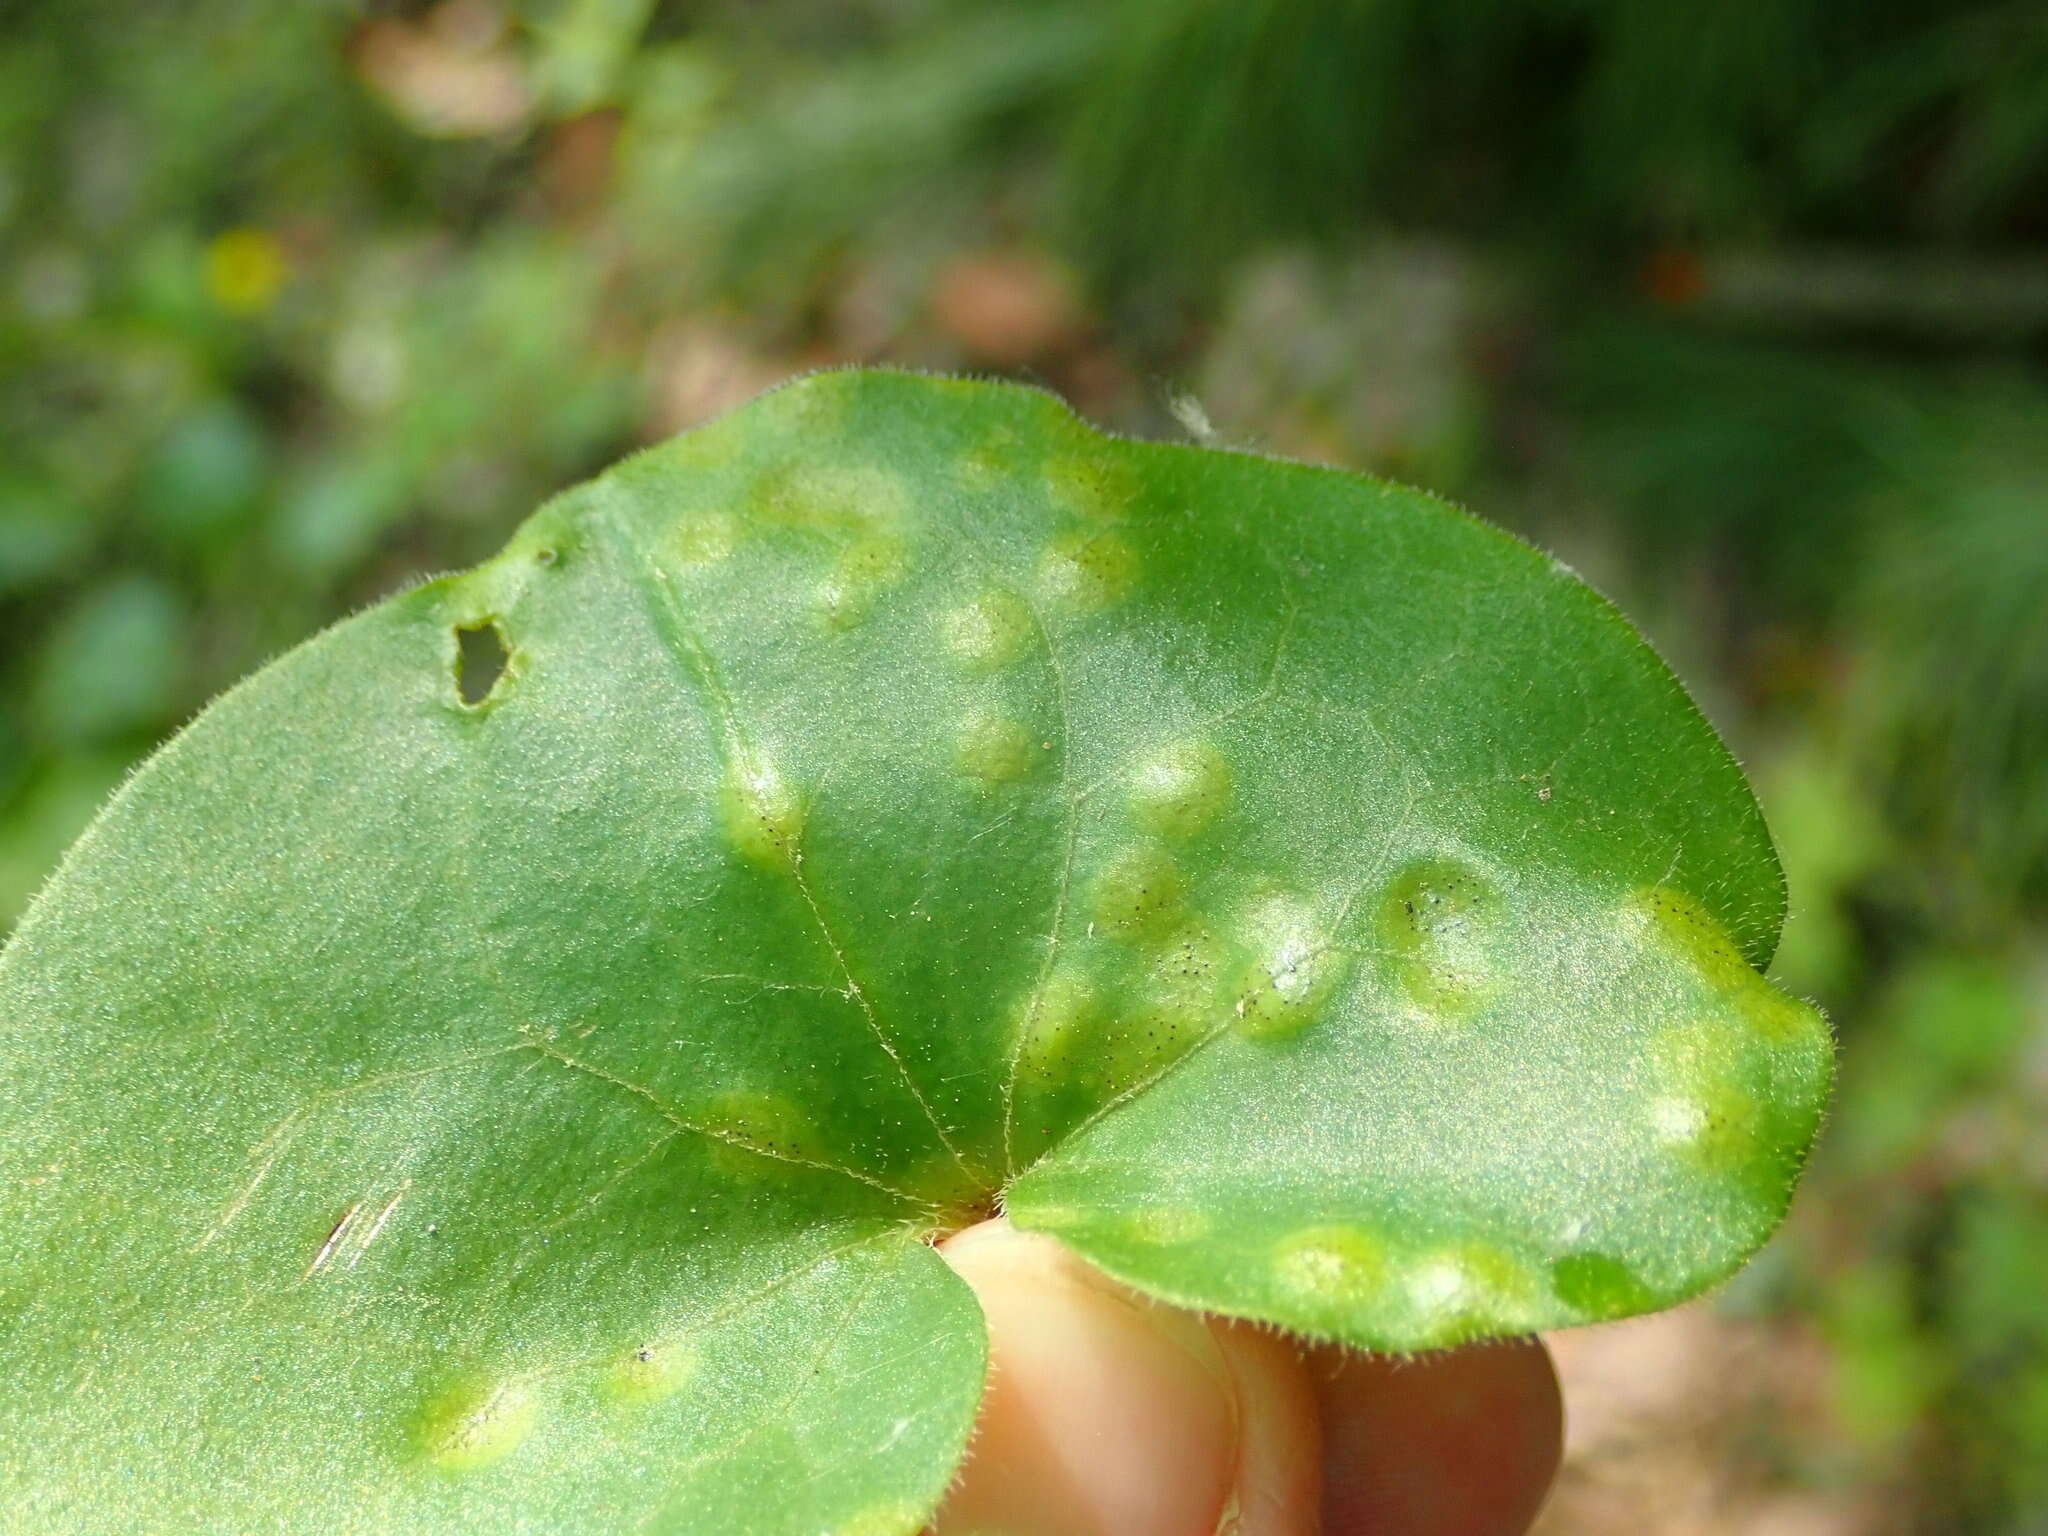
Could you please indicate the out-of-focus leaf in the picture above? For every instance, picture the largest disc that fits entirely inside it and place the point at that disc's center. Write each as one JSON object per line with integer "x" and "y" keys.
{"x": 112, "y": 663}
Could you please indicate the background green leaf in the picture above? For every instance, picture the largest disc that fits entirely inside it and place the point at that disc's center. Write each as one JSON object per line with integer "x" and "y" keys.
{"x": 499, "y": 1067}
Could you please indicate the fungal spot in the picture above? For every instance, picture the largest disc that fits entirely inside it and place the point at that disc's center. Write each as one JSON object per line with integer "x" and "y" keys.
{"x": 1712, "y": 1109}
{"x": 1443, "y": 922}
{"x": 476, "y": 1424}
{"x": 547, "y": 554}
{"x": 1051, "y": 1218}
{"x": 705, "y": 538}
{"x": 1051, "y": 1022}
{"x": 828, "y": 499}
{"x": 882, "y": 1520}
{"x": 1676, "y": 1119}
{"x": 1097, "y": 488}
{"x": 1598, "y": 1286}
{"x": 1468, "y": 1289}
{"x": 1084, "y": 572}
{"x": 767, "y": 1129}
{"x": 763, "y": 816}
{"x": 997, "y": 457}
{"x": 995, "y": 750}
{"x": 946, "y": 1183}
{"x": 1167, "y": 1225}
{"x": 1704, "y": 945}
{"x": 991, "y": 631}
{"x": 1330, "y": 1271}
{"x": 1689, "y": 928}
{"x": 1140, "y": 892}
{"x": 818, "y": 404}
{"x": 481, "y": 656}
{"x": 651, "y": 1372}
{"x": 1177, "y": 1005}
{"x": 1293, "y": 975}
{"x": 864, "y": 571}
{"x": 1181, "y": 790}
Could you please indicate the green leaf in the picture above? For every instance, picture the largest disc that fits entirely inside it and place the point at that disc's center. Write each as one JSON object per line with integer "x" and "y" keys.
{"x": 499, "y": 1068}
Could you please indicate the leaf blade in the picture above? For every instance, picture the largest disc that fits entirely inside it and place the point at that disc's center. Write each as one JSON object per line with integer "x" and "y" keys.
{"x": 893, "y": 797}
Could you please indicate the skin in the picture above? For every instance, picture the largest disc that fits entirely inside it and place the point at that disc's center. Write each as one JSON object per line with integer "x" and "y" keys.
{"x": 1110, "y": 1415}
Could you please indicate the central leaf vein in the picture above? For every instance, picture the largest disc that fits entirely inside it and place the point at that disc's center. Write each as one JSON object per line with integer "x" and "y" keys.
{"x": 552, "y": 1052}
{"x": 737, "y": 750}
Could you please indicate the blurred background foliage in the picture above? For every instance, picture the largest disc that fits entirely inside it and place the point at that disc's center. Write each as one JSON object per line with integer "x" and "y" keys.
{"x": 1743, "y": 307}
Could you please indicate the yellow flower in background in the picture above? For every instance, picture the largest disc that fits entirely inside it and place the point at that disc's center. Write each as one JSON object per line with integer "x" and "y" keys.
{"x": 245, "y": 268}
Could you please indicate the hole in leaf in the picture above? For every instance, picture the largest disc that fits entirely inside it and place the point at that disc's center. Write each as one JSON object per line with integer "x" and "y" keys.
{"x": 480, "y": 657}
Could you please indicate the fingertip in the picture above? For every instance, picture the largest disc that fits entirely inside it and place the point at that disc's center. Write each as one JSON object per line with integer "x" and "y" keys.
{"x": 1461, "y": 1443}
{"x": 1104, "y": 1414}
{"x": 1277, "y": 1490}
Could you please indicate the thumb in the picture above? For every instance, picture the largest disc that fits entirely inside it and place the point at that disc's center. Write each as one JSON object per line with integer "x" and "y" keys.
{"x": 1110, "y": 1415}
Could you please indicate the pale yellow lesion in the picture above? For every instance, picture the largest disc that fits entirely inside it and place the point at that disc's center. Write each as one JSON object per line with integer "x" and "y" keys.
{"x": 864, "y": 572}
{"x": 1168, "y": 1225}
{"x": 993, "y": 749}
{"x": 1443, "y": 923}
{"x": 1093, "y": 486}
{"x": 1709, "y": 1106}
{"x": 763, "y": 814}
{"x": 477, "y": 1424}
{"x": 704, "y": 538}
{"x": 1085, "y": 572}
{"x": 989, "y": 631}
{"x": 1141, "y": 892}
{"x": 1294, "y": 971}
{"x": 998, "y": 458}
{"x": 1332, "y": 1268}
{"x": 1177, "y": 1004}
{"x": 1051, "y": 1024}
{"x": 1180, "y": 790}
{"x": 1460, "y": 1289}
{"x": 651, "y": 1372}
{"x": 1686, "y": 930}
{"x": 756, "y": 1132}
{"x": 892, "y": 1519}
{"x": 843, "y": 501}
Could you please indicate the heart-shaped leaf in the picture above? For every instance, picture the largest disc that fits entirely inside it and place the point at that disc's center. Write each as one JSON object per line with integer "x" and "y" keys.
{"x": 499, "y": 1068}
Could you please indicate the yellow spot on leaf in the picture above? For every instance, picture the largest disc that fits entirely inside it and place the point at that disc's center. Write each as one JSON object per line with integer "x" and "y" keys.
{"x": 833, "y": 500}
{"x": 1442, "y": 922}
{"x": 1094, "y": 486}
{"x": 863, "y": 572}
{"x": 1179, "y": 1003}
{"x": 765, "y": 1121}
{"x": 1140, "y": 892}
{"x": 990, "y": 631}
{"x": 1168, "y": 1224}
{"x": 1697, "y": 938}
{"x": 1051, "y": 1022}
{"x": 1086, "y": 572}
{"x": 996, "y": 750}
{"x": 651, "y": 1372}
{"x": 1180, "y": 791}
{"x": 882, "y": 1520}
{"x": 476, "y": 1424}
{"x": 1465, "y": 1290}
{"x": 763, "y": 816}
{"x": 1331, "y": 1270}
{"x": 1293, "y": 974}
{"x": 705, "y": 538}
